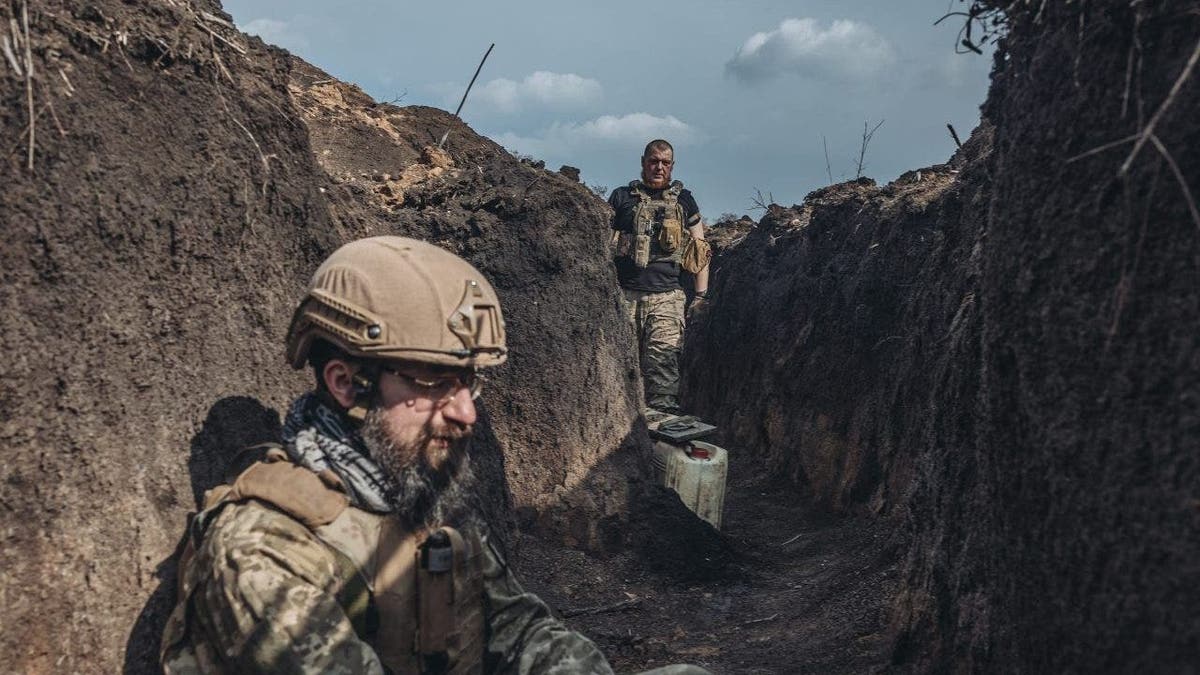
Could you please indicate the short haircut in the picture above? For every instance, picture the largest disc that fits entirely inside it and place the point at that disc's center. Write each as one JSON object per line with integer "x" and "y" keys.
{"x": 657, "y": 144}
{"x": 321, "y": 353}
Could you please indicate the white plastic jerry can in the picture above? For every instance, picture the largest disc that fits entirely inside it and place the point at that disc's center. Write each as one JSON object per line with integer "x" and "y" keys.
{"x": 696, "y": 471}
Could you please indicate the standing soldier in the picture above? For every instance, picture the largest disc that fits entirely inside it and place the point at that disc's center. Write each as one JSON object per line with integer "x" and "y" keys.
{"x": 657, "y": 231}
{"x": 355, "y": 546}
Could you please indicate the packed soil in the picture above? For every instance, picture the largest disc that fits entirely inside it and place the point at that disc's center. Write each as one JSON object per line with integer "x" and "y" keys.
{"x": 802, "y": 592}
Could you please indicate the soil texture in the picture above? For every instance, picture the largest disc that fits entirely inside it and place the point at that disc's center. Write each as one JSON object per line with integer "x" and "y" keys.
{"x": 802, "y": 591}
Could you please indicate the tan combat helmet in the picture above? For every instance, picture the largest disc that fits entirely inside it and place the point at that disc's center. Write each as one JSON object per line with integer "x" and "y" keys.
{"x": 399, "y": 298}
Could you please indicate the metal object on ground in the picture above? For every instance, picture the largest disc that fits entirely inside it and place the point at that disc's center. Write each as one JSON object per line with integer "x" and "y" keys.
{"x": 679, "y": 429}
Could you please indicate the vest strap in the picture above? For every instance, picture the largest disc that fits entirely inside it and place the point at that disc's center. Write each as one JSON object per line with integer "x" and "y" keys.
{"x": 313, "y": 499}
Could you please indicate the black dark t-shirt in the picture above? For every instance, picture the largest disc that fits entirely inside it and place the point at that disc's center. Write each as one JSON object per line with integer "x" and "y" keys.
{"x": 658, "y": 276}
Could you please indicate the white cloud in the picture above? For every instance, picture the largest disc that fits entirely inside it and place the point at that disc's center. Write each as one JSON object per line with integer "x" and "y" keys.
{"x": 275, "y": 32}
{"x": 845, "y": 50}
{"x": 627, "y": 131}
{"x": 956, "y": 69}
{"x": 543, "y": 89}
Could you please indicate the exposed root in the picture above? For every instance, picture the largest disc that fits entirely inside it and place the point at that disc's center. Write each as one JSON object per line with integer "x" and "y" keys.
{"x": 29, "y": 83}
{"x": 217, "y": 57}
{"x": 1101, "y": 148}
{"x": 1041, "y": 10}
{"x": 1134, "y": 49}
{"x": 53, "y": 113}
{"x": 1183, "y": 186}
{"x": 70, "y": 87}
{"x": 988, "y": 22}
{"x": 764, "y": 619}
{"x": 7, "y": 46}
{"x": 201, "y": 20}
{"x": 1148, "y": 131}
{"x": 1129, "y": 273}
{"x": 24, "y": 132}
{"x": 266, "y": 163}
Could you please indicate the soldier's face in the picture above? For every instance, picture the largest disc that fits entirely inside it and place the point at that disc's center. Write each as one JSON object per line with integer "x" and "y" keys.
{"x": 656, "y": 168}
{"x": 426, "y": 415}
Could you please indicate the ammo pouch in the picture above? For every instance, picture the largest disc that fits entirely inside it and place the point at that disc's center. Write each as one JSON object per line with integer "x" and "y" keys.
{"x": 641, "y": 250}
{"x": 670, "y": 234}
{"x": 450, "y": 618}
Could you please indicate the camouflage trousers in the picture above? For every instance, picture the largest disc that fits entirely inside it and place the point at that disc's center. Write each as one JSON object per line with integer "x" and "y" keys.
{"x": 658, "y": 321}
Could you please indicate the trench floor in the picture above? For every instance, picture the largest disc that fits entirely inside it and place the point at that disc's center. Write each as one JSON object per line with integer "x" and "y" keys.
{"x": 807, "y": 595}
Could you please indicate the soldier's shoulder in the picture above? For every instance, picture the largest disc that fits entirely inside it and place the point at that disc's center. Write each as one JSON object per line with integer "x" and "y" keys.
{"x": 621, "y": 198}
{"x": 689, "y": 201}
{"x": 623, "y": 192}
{"x": 251, "y": 530}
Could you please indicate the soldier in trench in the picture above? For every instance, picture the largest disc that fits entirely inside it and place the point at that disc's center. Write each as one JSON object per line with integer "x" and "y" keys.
{"x": 356, "y": 545}
{"x": 657, "y": 233}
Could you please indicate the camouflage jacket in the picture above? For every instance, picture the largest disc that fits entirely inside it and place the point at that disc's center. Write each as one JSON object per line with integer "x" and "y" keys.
{"x": 263, "y": 593}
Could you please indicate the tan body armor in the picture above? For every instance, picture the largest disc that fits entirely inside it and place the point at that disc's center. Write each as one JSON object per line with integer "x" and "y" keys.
{"x": 415, "y": 597}
{"x": 658, "y": 226}
{"x": 660, "y": 231}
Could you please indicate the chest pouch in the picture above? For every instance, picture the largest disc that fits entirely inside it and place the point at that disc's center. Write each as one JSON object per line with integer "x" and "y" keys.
{"x": 669, "y": 222}
{"x": 449, "y": 585}
{"x": 641, "y": 249}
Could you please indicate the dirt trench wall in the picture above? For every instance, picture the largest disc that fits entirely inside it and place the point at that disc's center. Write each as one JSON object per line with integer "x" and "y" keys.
{"x": 186, "y": 182}
{"x": 1018, "y": 392}
{"x": 1061, "y": 530}
{"x": 817, "y": 353}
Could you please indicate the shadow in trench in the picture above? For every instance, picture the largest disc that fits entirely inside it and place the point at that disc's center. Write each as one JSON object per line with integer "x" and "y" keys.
{"x": 494, "y": 499}
{"x": 232, "y": 423}
{"x": 644, "y": 523}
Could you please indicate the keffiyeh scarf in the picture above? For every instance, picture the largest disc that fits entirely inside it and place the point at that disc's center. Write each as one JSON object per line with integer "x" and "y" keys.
{"x": 318, "y": 438}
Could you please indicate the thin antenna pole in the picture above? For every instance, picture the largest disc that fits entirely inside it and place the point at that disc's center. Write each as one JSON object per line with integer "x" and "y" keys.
{"x": 464, "y": 96}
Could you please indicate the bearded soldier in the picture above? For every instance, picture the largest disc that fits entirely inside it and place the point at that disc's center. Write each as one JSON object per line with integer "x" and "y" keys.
{"x": 657, "y": 232}
{"x": 354, "y": 546}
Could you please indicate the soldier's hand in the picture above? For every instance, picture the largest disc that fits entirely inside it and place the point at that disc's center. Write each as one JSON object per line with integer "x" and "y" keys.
{"x": 699, "y": 306}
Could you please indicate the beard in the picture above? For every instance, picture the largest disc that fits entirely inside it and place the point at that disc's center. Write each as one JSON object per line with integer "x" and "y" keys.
{"x": 420, "y": 494}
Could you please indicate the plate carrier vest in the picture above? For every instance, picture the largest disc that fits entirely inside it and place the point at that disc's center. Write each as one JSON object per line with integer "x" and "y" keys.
{"x": 658, "y": 225}
{"x": 420, "y": 608}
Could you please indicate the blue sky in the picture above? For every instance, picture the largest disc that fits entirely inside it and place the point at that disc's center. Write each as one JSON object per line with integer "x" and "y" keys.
{"x": 744, "y": 90}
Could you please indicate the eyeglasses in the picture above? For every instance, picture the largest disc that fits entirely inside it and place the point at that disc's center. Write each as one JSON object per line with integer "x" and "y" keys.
{"x": 440, "y": 389}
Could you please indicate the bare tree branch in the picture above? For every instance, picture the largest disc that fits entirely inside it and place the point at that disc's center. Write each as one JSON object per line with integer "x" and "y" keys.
{"x": 828, "y": 171}
{"x": 760, "y": 201}
{"x": 464, "y": 97}
{"x": 862, "y": 151}
{"x": 954, "y": 134}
